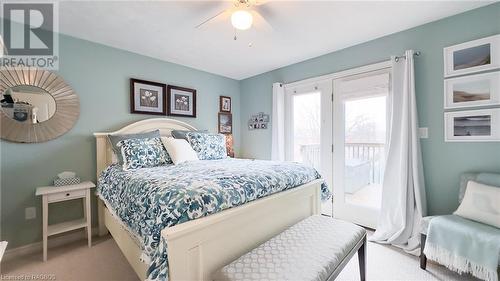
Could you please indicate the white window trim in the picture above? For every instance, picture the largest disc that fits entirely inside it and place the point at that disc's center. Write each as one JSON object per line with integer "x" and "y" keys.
{"x": 339, "y": 74}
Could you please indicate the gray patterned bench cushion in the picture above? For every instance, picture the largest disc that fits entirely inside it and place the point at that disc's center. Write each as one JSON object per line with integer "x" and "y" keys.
{"x": 310, "y": 250}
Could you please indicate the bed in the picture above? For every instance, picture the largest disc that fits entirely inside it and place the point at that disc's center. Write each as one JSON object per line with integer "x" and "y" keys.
{"x": 198, "y": 247}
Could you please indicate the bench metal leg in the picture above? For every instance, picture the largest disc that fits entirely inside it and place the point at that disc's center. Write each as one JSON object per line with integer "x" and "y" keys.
{"x": 423, "y": 258}
{"x": 362, "y": 260}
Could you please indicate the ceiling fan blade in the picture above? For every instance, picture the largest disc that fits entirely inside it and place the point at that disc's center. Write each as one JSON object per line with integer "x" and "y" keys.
{"x": 211, "y": 18}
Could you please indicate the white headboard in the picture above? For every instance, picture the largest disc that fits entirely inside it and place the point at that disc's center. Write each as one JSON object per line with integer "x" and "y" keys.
{"x": 165, "y": 125}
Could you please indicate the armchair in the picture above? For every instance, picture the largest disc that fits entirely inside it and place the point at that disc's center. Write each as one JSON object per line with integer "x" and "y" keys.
{"x": 484, "y": 178}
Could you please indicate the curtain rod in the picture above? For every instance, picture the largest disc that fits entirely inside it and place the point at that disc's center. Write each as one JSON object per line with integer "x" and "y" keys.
{"x": 417, "y": 53}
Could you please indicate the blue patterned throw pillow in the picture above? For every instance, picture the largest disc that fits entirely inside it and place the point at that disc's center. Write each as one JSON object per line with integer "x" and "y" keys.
{"x": 143, "y": 153}
{"x": 208, "y": 146}
{"x": 115, "y": 139}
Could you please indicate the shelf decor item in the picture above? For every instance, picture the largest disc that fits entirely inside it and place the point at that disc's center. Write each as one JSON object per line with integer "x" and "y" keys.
{"x": 181, "y": 101}
{"x": 224, "y": 104}
{"x": 472, "y": 91}
{"x": 473, "y": 56}
{"x": 258, "y": 121}
{"x": 147, "y": 97}
{"x": 66, "y": 178}
{"x": 481, "y": 125}
{"x": 64, "y": 182}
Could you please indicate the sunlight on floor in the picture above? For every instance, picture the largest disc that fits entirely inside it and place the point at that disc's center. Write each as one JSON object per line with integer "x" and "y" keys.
{"x": 369, "y": 196}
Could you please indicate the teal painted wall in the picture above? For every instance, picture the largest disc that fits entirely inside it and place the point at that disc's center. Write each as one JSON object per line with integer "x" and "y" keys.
{"x": 100, "y": 76}
{"x": 443, "y": 162}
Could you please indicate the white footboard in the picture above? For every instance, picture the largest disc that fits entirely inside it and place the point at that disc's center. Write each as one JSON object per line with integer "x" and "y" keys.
{"x": 196, "y": 249}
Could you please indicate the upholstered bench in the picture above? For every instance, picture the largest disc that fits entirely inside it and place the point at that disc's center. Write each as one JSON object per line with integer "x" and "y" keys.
{"x": 316, "y": 248}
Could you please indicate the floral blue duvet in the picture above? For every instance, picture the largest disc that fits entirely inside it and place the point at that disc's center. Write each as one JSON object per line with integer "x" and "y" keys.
{"x": 147, "y": 200}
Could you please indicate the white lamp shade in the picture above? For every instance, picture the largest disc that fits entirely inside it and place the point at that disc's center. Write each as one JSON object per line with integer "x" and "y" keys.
{"x": 242, "y": 19}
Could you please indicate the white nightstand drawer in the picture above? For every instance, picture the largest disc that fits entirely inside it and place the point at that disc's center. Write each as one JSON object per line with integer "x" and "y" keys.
{"x": 67, "y": 195}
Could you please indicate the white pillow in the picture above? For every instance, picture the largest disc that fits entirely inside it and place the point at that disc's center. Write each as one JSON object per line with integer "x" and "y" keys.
{"x": 179, "y": 150}
{"x": 481, "y": 203}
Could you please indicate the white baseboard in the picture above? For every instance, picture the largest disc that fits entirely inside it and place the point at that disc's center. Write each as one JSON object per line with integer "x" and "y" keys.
{"x": 56, "y": 241}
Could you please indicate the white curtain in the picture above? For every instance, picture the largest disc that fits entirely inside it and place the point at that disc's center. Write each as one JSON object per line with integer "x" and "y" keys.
{"x": 278, "y": 123}
{"x": 403, "y": 191}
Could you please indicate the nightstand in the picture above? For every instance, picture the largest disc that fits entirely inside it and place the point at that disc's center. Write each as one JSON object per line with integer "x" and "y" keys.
{"x": 52, "y": 194}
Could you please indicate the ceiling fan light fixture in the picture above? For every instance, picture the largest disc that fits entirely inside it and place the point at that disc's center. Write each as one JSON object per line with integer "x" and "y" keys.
{"x": 242, "y": 19}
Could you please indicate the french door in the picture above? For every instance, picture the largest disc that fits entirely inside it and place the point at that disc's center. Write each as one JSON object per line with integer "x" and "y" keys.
{"x": 308, "y": 128}
{"x": 339, "y": 126}
{"x": 360, "y": 125}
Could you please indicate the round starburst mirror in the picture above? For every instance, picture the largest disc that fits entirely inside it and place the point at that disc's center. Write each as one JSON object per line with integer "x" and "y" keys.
{"x": 37, "y": 105}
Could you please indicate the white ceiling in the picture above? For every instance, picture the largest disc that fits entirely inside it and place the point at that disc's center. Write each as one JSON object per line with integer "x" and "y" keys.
{"x": 300, "y": 29}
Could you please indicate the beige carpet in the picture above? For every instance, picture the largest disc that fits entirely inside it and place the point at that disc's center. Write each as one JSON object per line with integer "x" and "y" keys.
{"x": 104, "y": 261}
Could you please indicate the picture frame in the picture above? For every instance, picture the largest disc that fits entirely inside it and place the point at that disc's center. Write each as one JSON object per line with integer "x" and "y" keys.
{"x": 147, "y": 97}
{"x": 258, "y": 121}
{"x": 225, "y": 104}
{"x": 482, "y": 125}
{"x": 472, "y": 91}
{"x": 181, "y": 101}
{"x": 473, "y": 56}
{"x": 225, "y": 123}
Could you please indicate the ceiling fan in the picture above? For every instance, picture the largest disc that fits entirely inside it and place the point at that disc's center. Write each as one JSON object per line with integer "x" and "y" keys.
{"x": 243, "y": 14}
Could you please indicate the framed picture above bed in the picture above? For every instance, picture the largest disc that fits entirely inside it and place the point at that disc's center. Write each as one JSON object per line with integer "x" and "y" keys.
{"x": 147, "y": 97}
{"x": 472, "y": 125}
{"x": 181, "y": 101}
{"x": 225, "y": 123}
{"x": 473, "y": 56}
{"x": 224, "y": 104}
{"x": 472, "y": 91}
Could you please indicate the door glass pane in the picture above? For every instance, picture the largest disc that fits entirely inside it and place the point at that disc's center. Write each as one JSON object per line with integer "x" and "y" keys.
{"x": 365, "y": 139}
{"x": 306, "y": 128}
{"x": 307, "y": 134}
